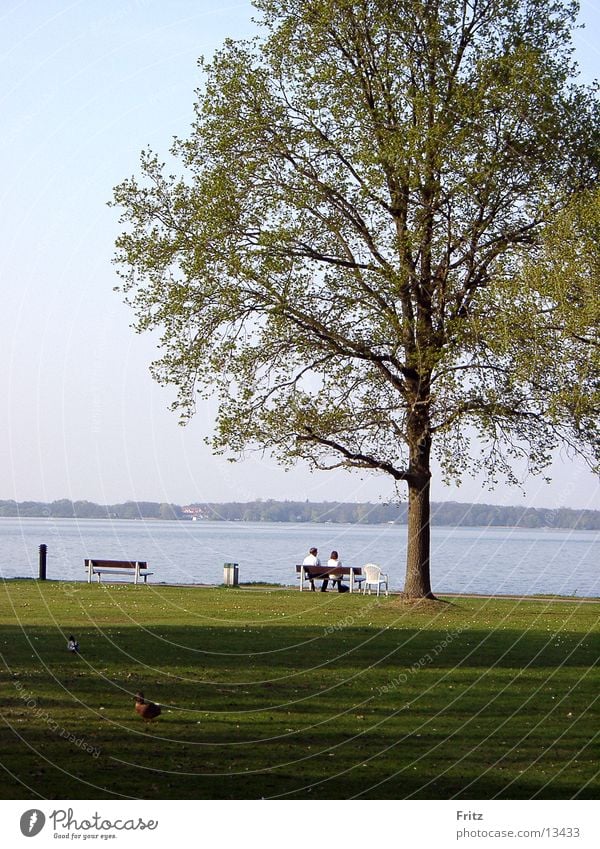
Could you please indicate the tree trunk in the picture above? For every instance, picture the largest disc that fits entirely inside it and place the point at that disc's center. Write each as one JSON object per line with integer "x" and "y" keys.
{"x": 418, "y": 581}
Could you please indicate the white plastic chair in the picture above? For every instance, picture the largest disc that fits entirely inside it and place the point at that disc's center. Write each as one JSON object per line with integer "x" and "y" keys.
{"x": 374, "y": 577}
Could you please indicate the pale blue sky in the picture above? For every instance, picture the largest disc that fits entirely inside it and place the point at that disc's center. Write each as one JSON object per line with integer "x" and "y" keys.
{"x": 84, "y": 87}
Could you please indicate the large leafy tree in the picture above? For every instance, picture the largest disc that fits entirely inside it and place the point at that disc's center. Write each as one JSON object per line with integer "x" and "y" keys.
{"x": 553, "y": 332}
{"x": 360, "y": 184}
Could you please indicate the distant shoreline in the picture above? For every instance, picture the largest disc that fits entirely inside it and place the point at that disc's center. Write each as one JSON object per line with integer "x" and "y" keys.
{"x": 443, "y": 514}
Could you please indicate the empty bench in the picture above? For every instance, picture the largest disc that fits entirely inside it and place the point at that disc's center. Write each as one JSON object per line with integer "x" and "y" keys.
{"x": 315, "y": 573}
{"x": 137, "y": 568}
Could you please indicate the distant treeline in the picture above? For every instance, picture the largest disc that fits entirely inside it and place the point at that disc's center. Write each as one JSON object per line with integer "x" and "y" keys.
{"x": 65, "y": 509}
{"x": 443, "y": 513}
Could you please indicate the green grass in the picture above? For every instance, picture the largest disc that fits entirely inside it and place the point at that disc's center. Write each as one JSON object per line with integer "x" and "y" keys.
{"x": 270, "y": 693}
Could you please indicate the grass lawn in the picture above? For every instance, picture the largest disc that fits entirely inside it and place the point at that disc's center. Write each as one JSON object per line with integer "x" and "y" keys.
{"x": 276, "y": 693}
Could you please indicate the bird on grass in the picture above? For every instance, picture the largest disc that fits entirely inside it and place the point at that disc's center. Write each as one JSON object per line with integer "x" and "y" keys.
{"x": 146, "y": 709}
{"x": 73, "y": 645}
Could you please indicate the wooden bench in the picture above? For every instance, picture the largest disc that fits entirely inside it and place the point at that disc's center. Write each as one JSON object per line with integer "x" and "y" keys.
{"x": 315, "y": 573}
{"x": 137, "y": 568}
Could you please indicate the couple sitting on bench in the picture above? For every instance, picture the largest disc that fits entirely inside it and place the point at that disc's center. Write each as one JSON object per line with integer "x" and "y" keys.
{"x": 333, "y": 563}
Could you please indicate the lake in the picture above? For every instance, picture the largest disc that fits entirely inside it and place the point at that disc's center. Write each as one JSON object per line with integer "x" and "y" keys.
{"x": 467, "y": 560}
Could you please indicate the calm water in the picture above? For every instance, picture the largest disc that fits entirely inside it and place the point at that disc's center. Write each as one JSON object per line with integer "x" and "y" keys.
{"x": 478, "y": 560}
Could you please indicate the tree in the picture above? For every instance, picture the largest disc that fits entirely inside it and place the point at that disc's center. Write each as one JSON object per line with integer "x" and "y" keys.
{"x": 62, "y": 509}
{"x": 357, "y": 184}
{"x": 169, "y": 511}
{"x": 554, "y": 330}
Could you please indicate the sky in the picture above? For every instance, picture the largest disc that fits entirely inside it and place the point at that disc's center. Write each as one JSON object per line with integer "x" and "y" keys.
{"x": 85, "y": 86}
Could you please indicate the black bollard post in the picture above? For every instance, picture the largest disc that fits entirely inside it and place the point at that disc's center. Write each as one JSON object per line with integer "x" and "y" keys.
{"x": 43, "y": 550}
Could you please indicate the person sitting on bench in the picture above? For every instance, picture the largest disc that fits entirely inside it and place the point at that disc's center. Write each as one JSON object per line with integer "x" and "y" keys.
{"x": 333, "y": 563}
{"x": 311, "y": 559}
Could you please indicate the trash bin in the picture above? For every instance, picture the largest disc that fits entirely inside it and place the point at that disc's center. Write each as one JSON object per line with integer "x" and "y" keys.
{"x": 231, "y": 574}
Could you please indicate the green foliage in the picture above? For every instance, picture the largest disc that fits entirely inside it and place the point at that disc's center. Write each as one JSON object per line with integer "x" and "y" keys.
{"x": 450, "y": 513}
{"x": 359, "y": 182}
{"x": 552, "y": 334}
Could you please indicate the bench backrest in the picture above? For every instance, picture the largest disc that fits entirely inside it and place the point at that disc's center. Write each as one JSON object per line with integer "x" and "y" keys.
{"x": 323, "y": 571}
{"x": 116, "y": 564}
